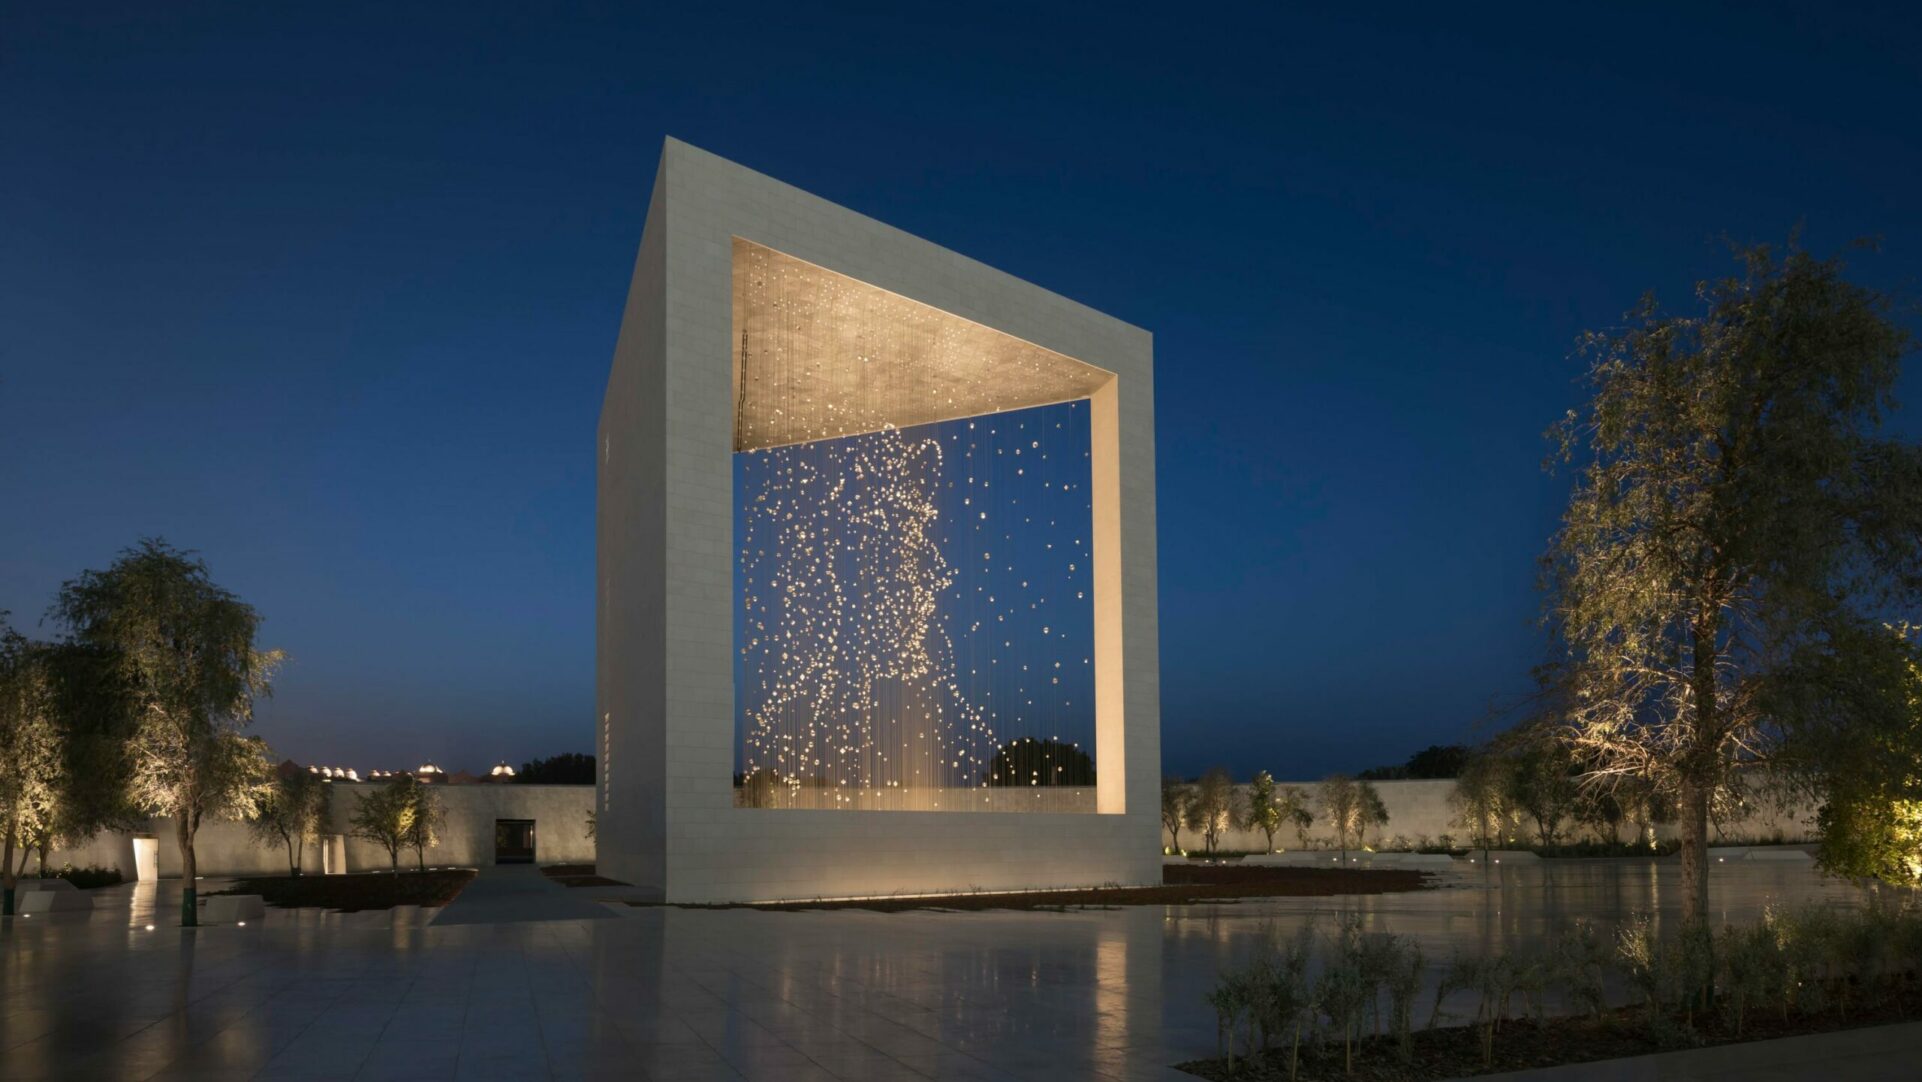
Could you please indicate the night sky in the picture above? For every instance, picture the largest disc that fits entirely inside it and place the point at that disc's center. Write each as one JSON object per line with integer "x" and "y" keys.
{"x": 330, "y": 296}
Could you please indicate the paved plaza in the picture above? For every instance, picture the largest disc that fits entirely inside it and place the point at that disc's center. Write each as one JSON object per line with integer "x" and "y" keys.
{"x": 654, "y": 993}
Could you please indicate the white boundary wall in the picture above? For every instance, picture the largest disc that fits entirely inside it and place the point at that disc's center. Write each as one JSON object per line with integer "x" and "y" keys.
{"x": 1418, "y": 812}
{"x": 467, "y": 840}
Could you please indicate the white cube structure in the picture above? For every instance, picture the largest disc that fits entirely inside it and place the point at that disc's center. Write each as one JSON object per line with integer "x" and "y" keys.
{"x": 678, "y": 407}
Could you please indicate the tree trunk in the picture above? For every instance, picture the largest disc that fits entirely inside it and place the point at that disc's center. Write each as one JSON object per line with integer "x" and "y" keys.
{"x": 1692, "y": 816}
{"x": 1692, "y": 819}
{"x": 189, "y": 871}
{"x": 10, "y": 881}
{"x": 293, "y": 859}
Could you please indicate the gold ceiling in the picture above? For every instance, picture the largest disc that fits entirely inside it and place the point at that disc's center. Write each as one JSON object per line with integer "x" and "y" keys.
{"x": 821, "y": 355}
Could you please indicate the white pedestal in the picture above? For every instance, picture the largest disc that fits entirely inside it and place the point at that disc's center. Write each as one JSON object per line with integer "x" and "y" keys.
{"x": 333, "y": 854}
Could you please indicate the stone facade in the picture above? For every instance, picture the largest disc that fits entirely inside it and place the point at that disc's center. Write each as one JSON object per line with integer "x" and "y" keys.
{"x": 559, "y": 813}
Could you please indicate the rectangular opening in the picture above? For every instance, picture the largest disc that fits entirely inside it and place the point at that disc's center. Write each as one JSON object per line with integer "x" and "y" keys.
{"x": 513, "y": 841}
{"x": 916, "y": 602}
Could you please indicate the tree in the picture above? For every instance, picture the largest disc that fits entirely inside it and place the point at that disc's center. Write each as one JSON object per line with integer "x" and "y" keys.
{"x": 423, "y": 829}
{"x": 1480, "y": 800}
{"x": 290, "y": 813}
{"x": 568, "y": 768}
{"x": 1175, "y": 797}
{"x": 1870, "y": 817}
{"x": 29, "y": 754}
{"x": 1435, "y": 761}
{"x": 1374, "y": 813}
{"x": 1542, "y": 782}
{"x": 1214, "y": 807}
{"x": 1350, "y": 807}
{"x": 386, "y": 816}
{"x": 95, "y": 723}
{"x": 1264, "y": 807}
{"x": 1027, "y": 761}
{"x": 185, "y": 650}
{"x": 1294, "y": 801}
{"x": 1598, "y": 808}
{"x": 1735, "y": 517}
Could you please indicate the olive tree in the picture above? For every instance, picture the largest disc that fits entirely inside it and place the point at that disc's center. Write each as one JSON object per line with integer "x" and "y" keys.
{"x": 185, "y": 651}
{"x": 1271, "y": 807}
{"x": 1175, "y": 797}
{"x": 1480, "y": 800}
{"x": 290, "y": 814}
{"x": 1870, "y": 817}
{"x": 423, "y": 830}
{"x": 1542, "y": 783}
{"x": 385, "y": 816}
{"x": 29, "y": 755}
{"x": 1214, "y": 807}
{"x": 1737, "y": 514}
{"x": 1350, "y": 808}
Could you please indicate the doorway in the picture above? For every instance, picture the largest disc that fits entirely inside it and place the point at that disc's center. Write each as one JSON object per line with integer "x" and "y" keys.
{"x": 513, "y": 841}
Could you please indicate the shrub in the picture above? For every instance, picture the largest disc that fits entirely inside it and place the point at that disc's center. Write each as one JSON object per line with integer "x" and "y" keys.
{"x": 1581, "y": 964}
{"x": 1648, "y": 967}
{"x": 1343, "y": 991}
{"x": 1403, "y": 981}
{"x": 91, "y": 876}
{"x": 1805, "y": 960}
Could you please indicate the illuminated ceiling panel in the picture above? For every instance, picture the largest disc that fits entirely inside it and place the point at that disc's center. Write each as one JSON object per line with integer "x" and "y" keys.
{"x": 821, "y": 355}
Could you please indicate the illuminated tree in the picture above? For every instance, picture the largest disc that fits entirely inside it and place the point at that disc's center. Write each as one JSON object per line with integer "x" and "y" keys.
{"x": 185, "y": 651}
{"x": 1870, "y": 758}
{"x": 1480, "y": 800}
{"x": 386, "y": 816}
{"x": 423, "y": 829}
{"x": 1214, "y": 807}
{"x": 1600, "y": 809}
{"x": 29, "y": 753}
{"x": 1264, "y": 807}
{"x": 1736, "y": 515}
{"x": 95, "y": 721}
{"x": 1175, "y": 797}
{"x": 1350, "y": 808}
{"x": 290, "y": 813}
{"x": 1542, "y": 782}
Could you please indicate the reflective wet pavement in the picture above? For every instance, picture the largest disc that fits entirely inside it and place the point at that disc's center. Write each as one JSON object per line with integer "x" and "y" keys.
{"x": 694, "y": 994}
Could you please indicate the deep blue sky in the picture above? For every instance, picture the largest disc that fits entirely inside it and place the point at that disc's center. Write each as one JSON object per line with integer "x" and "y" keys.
{"x": 330, "y": 297}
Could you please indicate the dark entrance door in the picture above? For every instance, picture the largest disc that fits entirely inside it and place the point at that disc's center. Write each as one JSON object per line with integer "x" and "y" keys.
{"x": 513, "y": 841}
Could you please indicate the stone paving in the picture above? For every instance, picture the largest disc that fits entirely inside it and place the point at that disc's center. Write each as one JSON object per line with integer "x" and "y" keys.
{"x": 736, "y": 994}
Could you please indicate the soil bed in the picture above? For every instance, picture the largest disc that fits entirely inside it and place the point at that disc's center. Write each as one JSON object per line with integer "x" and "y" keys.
{"x": 1522, "y": 1045}
{"x": 1182, "y": 884}
{"x": 579, "y": 875}
{"x": 352, "y": 893}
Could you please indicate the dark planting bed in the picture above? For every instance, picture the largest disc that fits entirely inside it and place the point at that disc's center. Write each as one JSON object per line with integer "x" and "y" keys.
{"x": 361, "y": 890}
